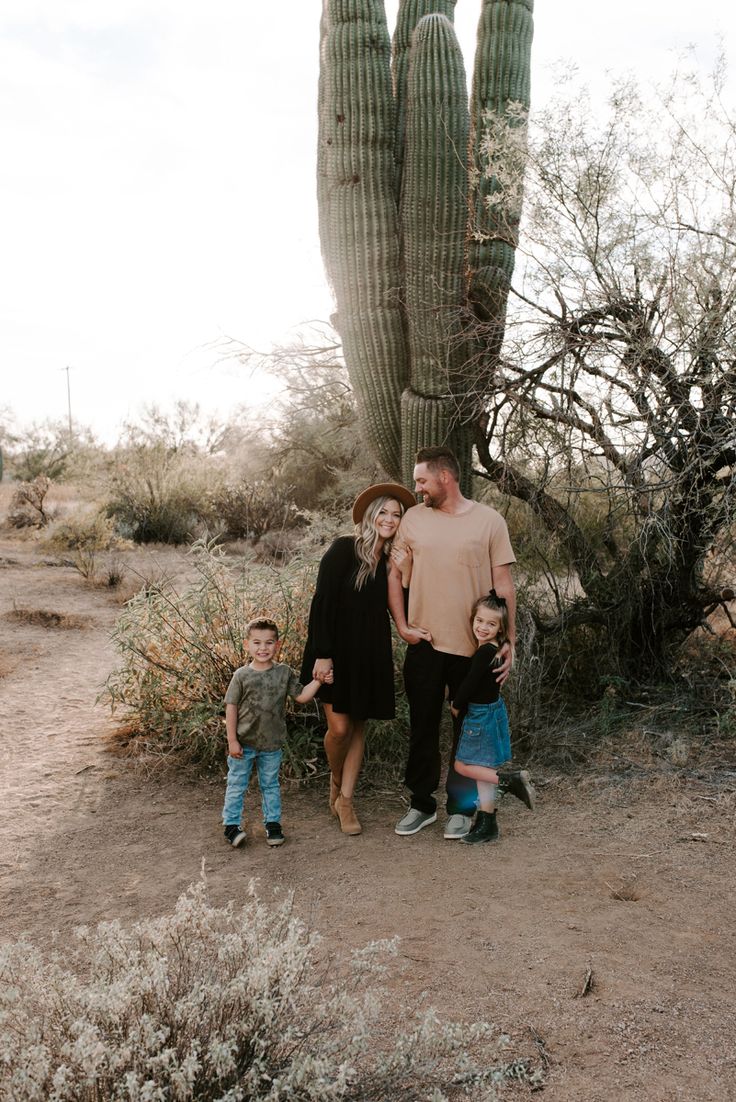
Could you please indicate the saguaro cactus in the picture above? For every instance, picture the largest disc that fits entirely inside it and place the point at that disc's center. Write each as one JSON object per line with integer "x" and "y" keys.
{"x": 412, "y": 246}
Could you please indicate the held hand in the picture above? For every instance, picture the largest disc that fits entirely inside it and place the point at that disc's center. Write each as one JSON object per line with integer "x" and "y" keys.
{"x": 503, "y": 670}
{"x": 455, "y": 711}
{"x": 415, "y": 635}
{"x": 322, "y": 667}
{"x": 234, "y": 749}
{"x": 329, "y": 678}
{"x": 398, "y": 556}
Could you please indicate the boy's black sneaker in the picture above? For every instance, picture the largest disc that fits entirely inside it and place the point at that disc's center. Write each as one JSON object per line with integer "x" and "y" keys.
{"x": 484, "y": 829}
{"x": 234, "y": 834}
{"x": 274, "y": 834}
{"x": 517, "y": 783}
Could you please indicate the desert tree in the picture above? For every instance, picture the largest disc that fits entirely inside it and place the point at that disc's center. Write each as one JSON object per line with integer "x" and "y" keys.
{"x": 611, "y": 410}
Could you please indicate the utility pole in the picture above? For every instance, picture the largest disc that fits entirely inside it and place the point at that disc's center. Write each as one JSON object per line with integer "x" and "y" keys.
{"x": 69, "y": 405}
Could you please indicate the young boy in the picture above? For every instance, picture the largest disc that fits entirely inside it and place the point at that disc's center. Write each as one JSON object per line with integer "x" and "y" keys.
{"x": 254, "y": 718}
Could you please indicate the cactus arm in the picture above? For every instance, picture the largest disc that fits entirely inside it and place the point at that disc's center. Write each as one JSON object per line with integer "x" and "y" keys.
{"x": 409, "y": 14}
{"x": 358, "y": 213}
{"x": 501, "y": 78}
{"x": 433, "y": 217}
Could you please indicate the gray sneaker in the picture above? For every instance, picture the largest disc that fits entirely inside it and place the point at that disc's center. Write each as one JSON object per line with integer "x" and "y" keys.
{"x": 457, "y": 826}
{"x": 414, "y": 821}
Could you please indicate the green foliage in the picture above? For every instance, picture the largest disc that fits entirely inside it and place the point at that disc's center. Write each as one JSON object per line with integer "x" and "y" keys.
{"x": 249, "y": 509}
{"x": 84, "y": 535}
{"x": 40, "y": 449}
{"x": 225, "y": 1004}
{"x": 156, "y": 495}
{"x": 179, "y": 650}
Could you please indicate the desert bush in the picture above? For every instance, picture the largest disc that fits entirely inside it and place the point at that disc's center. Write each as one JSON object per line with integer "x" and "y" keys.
{"x": 248, "y": 509}
{"x": 155, "y": 494}
{"x": 179, "y": 650}
{"x": 84, "y": 535}
{"x": 28, "y": 507}
{"x": 222, "y": 1004}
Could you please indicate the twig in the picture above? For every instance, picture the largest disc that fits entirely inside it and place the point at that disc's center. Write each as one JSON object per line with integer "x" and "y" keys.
{"x": 541, "y": 1046}
{"x": 587, "y": 986}
{"x": 631, "y": 856}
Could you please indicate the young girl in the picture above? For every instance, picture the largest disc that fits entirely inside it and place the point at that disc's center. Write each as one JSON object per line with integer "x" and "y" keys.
{"x": 484, "y": 743}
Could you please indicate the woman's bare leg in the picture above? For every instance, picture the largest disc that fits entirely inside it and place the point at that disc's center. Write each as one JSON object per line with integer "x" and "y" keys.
{"x": 353, "y": 759}
{"x": 337, "y": 741}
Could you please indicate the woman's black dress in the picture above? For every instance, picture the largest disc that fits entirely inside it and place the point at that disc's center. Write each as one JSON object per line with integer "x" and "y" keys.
{"x": 352, "y": 628}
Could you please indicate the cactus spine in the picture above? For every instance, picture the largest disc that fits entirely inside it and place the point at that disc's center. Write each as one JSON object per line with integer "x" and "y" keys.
{"x": 409, "y": 247}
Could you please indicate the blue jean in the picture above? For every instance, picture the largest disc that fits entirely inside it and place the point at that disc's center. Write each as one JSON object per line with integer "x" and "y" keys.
{"x": 239, "y": 770}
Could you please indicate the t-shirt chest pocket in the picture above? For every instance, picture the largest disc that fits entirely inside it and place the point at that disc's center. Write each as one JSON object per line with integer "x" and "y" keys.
{"x": 470, "y": 553}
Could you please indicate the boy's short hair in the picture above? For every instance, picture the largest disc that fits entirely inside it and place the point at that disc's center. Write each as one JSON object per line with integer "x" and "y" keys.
{"x": 440, "y": 459}
{"x": 262, "y": 623}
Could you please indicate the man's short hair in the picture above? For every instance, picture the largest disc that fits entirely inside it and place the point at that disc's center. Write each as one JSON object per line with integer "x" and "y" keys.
{"x": 440, "y": 459}
{"x": 261, "y": 624}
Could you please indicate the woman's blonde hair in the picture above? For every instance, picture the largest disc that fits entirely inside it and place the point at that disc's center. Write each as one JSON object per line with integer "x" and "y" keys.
{"x": 366, "y": 539}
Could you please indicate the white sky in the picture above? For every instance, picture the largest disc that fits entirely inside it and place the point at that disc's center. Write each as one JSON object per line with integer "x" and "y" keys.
{"x": 157, "y": 189}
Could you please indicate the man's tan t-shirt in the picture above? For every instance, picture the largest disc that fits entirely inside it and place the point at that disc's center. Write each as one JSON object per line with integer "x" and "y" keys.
{"x": 452, "y": 560}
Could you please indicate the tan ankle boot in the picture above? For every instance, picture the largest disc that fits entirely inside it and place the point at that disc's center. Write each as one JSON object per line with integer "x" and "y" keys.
{"x": 334, "y": 793}
{"x": 349, "y": 823}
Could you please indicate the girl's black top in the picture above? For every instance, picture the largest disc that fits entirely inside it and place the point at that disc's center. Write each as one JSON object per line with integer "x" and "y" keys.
{"x": 479, "y": 686}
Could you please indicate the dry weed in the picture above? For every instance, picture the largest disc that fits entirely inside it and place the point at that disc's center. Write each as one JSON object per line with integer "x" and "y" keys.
{"x": 45, "y": 618}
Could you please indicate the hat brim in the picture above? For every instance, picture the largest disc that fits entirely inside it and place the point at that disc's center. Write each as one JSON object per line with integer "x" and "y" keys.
{"x": 382, "y": 489}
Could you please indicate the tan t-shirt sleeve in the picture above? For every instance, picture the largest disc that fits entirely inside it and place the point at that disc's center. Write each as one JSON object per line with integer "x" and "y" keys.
{"x": 499, "y": 544}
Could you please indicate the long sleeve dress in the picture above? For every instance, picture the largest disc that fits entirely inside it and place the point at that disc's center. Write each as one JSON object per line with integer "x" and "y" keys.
{"x": 352, "y": 628}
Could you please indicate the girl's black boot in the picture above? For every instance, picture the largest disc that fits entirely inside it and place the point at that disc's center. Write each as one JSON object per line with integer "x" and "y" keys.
{"x": 485, "y": 829}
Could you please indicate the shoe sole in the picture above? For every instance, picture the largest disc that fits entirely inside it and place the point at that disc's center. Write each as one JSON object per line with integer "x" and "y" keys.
{"x": 275, "y": 841}
{"x": 238, "y": 840}
{"x": 415, "y": 830}
{"x": 456, "y": 837}
{"x": 479, "y": 841}
{"x": 531, "y": 796}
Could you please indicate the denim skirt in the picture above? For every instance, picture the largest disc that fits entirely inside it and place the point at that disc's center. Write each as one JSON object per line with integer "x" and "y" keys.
{"x": 485, "y": 739}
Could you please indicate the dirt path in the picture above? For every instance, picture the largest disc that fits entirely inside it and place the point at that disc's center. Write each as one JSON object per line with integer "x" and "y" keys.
{"x": 506, "y": 934}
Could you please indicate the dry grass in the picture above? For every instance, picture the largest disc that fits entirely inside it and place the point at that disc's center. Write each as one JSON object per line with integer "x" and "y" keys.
{"x": 46, "y": 618}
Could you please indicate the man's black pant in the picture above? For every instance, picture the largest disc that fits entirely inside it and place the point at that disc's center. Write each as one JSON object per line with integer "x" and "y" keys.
{"x": 427, "y": 672}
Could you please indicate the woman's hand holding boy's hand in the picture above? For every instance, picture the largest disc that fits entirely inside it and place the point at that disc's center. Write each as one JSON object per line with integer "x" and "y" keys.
{"x": 328, "y": 678}
{"x": 322, "y": 668}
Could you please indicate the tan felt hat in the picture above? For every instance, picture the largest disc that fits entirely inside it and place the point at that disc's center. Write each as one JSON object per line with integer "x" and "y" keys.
{"x": 382, "y": 489}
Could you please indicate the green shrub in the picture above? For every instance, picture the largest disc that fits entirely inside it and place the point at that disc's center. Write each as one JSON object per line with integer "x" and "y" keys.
{"x": 84, "y": 534}
{"x": 250, "y": 509}
{"x": 156, "y": 495}
{"x": 222, "y": 1004}
{"x": 179, "y": 650}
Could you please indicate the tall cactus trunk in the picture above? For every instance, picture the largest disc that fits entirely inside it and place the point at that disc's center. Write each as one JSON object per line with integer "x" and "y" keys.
{"x": 410, "y": 249}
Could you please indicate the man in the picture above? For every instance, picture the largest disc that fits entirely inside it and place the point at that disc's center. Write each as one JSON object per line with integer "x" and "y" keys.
{"x": 453, "y": 550}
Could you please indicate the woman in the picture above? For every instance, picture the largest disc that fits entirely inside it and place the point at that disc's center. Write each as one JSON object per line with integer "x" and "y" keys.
{"x": 350, "y": 634}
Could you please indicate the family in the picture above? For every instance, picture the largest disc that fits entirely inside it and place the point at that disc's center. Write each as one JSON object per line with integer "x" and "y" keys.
{"x": 443, "y": 570}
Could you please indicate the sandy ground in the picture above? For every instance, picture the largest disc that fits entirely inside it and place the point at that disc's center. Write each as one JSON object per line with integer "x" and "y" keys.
{"x": 630, "y": 880}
